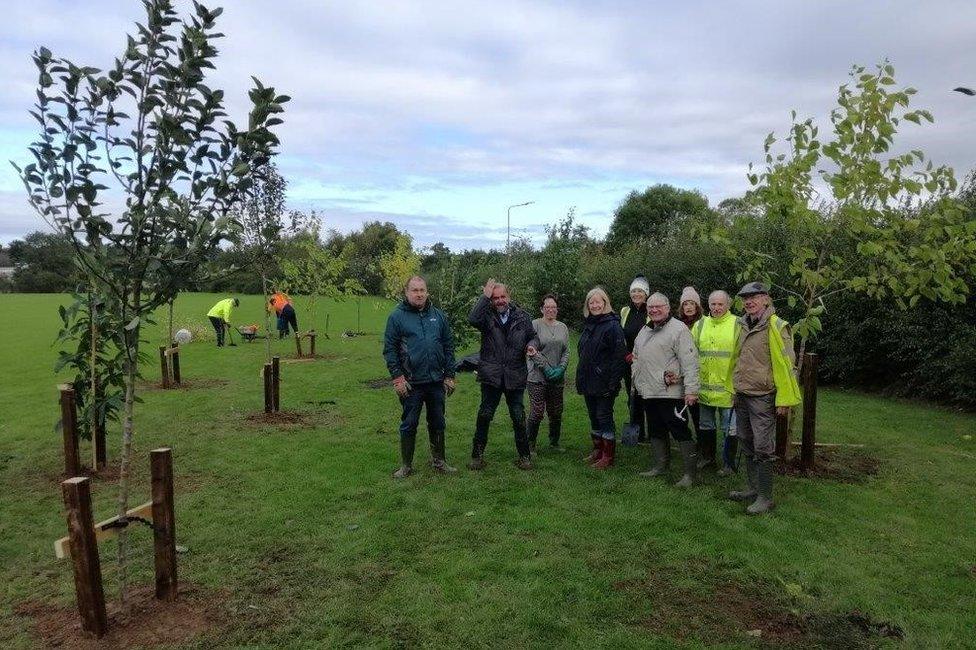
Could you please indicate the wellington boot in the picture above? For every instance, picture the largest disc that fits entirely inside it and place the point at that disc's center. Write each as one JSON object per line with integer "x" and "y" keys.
{"x": 609, "y": 452}
{"x": 532, "y": 432}
{"x": 764, "y": 478}
{"x": 555, "y": 430}
{"x": 595, "y": 454}
{"x": 751, "y": 490}
{"x": 602, "y": 444}
{"x": 689, "y": 460}
{"x": 706, "y": 448}
{"x": 477, "y": 463}
{"x": 524, "y": 463}
{"x": 437, "y": 453}
{"x": 659, "y": 458}
{"x": 407, "y": 442}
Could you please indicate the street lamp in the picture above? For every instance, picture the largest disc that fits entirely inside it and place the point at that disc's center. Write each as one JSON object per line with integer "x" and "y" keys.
{"x": 508, "y": 236}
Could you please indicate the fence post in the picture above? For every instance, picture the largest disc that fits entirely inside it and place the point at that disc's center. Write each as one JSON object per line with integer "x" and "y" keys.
{"x": 164, "y": 523}
{"x": 311, "y": 343}
{"x": 268, "y": 397}
{"x": 298, "y": 344}
{"x": 69, "y": 431}
{"x": 76, "y": 492}
{"x": 164, "y": 366}
{"x": 276, "y": 383}
{"x": 782, "y": 436}
{"x": 809, "y": 439}
{"x": 174, "y": 357}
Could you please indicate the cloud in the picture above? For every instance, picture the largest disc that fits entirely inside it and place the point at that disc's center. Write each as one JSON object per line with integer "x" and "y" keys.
{"x": 396, "y": 106}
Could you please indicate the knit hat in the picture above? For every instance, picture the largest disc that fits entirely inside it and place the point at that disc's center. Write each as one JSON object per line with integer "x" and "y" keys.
{"x": 689, "y": 293}
{"x": 640, "y": 282}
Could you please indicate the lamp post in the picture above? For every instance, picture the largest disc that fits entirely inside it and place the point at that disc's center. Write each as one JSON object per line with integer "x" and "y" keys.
{"x": 508, "y": 236}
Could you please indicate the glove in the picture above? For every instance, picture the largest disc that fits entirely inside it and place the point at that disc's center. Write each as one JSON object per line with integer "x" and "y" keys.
{"x": 449, "y": 385}
{"x": 554, "y": 373}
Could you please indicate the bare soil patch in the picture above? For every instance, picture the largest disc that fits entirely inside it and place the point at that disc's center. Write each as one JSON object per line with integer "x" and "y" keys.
{"x": 293, "y": 420}
{"x": 307, "y": 358}
{"x": 381, "y": 382}
{"x": 705, "y": 603}
{"x": 187, "y": 384}
{"x": 843, "y": 465}
{"x": 144, "y": 622}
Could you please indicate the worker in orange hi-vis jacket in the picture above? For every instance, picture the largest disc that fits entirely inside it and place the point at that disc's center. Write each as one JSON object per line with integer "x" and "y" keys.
{"x": 281, "y": 304}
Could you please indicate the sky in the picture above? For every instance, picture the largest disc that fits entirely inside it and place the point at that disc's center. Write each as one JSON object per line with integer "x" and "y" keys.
{"x": 437, "y": 116}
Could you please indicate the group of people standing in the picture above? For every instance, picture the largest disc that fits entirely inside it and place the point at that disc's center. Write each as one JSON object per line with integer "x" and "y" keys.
{"x": 696, "y": 378}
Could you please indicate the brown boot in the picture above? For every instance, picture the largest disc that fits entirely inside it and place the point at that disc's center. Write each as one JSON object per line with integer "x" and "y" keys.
{"x": 601, "y": 451}
{"x": 595, "y": 454}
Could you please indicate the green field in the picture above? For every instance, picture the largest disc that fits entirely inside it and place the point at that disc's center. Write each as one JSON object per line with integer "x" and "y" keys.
{"x": 298, "y": 536}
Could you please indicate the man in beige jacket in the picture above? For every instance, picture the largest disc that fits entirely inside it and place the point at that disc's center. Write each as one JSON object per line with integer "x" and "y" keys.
{"x": 665, "y": 375}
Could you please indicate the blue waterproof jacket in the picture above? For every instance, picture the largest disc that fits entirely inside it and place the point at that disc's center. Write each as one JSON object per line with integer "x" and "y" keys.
{"x": 418, "y": 344}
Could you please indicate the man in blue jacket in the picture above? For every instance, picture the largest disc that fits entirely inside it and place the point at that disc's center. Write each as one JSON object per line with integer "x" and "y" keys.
{"x": 419, "y": 352}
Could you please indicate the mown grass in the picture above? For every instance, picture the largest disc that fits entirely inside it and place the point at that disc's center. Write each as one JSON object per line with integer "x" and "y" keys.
{"x": 305, "y": 536}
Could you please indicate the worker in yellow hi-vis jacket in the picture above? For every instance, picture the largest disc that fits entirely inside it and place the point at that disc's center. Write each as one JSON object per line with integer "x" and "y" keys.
{"x": 219, "y": 316}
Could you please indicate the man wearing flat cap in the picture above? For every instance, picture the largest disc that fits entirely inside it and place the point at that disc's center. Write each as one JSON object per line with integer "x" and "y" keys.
{"x": 763, "y": 379}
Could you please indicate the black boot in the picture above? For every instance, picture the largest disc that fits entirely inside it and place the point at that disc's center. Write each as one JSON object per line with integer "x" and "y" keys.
{"x": 555, "y": 428}
{"x": 407, "y": 443}
{"x": 437, "y": 453}
{"x": 706, "y": 448}
{"x": 729, "y": 451}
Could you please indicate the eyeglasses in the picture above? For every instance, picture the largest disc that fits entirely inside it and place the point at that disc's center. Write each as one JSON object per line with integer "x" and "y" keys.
{"x": 656, "y": 306}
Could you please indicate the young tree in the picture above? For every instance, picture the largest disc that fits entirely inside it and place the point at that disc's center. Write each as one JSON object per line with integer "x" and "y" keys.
{"x": 397, "y": 266}
{"x": 152, "y": 128}
{"x": 310, "y": 269}
{"x": 889, "y": 226}
{"x": 260, "y": 228}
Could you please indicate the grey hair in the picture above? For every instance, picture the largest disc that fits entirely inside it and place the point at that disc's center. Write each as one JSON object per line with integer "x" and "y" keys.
{"x": 406, "y": 285}
{"x": 728, "y": 298}
{"x": 657, "y": 295}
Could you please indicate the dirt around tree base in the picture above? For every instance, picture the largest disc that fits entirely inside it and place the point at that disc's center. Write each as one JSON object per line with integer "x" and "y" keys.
{"x": 705, "y": 603}
{"x": 380, "y": 382}
{"x": 186, "y": 384}
{"x": 843, "y": 465}
{"x": 307, "y": 358}
{"x": 145, "y": 621}
{"x": 293, "y": 420}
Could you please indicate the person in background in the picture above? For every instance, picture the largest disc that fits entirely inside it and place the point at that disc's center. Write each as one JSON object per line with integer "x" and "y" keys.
{"x": 547, "y": 371}
{"x": 632, "y": 318}
{"x": 220, "y": 315}
{"x": 419, "y": 351}
{"x": 690, "y": 312}
{"x": 666, "y": 377}
{"x": 714, "y": 336}
{"x": 763, "y": 376}
{"x": 507, "y": 338}
{"x": 602, "y": 364}
{"x": 283, "y": 308}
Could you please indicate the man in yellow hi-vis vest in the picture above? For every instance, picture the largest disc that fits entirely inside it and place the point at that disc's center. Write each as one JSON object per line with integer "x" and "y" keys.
{"x": 714, "y": 336}
{"x": 219, "y": 316}
{"x": 763, "y": 376}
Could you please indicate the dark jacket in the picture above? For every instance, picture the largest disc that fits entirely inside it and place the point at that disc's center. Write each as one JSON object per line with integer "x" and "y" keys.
{"x": 502, "y": 351}
{"x": 602, "y": 351}
{"x": 418, "y": 344}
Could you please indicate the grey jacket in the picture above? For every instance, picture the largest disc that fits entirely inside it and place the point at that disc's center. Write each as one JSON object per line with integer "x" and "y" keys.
{"x": 657, "y": 350}
{"x": 553, "y": 349}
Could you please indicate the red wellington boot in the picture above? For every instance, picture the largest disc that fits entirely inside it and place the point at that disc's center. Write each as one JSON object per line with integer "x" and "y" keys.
{"x": 598, "y": 451}
{"x": 609, "y": 451}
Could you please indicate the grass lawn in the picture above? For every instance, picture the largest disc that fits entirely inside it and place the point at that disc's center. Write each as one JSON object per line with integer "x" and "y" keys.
{"x": 298, "y": 536}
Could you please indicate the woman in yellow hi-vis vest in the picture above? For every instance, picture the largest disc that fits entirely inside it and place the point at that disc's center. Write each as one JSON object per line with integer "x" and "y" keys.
{"x": 763, "y": 377}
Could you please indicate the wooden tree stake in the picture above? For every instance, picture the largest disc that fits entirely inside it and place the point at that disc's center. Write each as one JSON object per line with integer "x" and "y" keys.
{"x": 298, "y": 344}
{"x": 311, "y": 344}
{"x": 164, "y": 523}
{"x": 268, "y": 397}
{"x": 174, "y": 356}
{"x": 810, "y": 363}
{"x": 782, "y": 436}
{"x": 84, "y": 555}
{"x": 276, "y": 383}
{"x": 164, "y": 366}
{"x": 69, "y": 431}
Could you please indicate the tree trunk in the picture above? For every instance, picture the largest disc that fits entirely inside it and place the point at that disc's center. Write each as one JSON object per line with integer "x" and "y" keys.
{"x": 131, "y": 338}
{"x": 267, "y": 316}
{"x": 171, "y": 339}
{"x": 93, "y": 376}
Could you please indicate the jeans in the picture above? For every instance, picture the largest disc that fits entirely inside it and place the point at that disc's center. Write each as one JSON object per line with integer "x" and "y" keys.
{"x": 715, "y": 418}
{"x": 287, "y": 317}
{"x": 430, "y": 394}
{"x": 600, "y": 410}
{"x": 218, "y": 326}
{"x": 490, "y": 397}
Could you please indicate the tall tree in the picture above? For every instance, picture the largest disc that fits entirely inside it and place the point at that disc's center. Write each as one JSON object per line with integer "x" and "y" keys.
{"x": 655, "y": 214}
{"x": 152, "y": 128}
{"x": 889, "y": 226}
